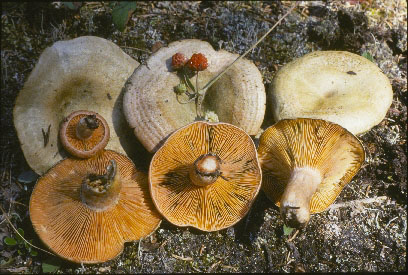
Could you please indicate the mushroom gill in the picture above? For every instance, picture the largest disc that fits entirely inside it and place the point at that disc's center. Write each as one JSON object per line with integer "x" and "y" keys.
{"x": 85, "y": 209}
{"x": 84, "y": 133}
{"x": 85, "y": 73}
{"x": 206, "y": 175}
{"x": 305, "y": 165}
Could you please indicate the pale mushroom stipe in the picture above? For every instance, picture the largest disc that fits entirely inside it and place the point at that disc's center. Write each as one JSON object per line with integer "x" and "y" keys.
{"x": 305, "y": 165}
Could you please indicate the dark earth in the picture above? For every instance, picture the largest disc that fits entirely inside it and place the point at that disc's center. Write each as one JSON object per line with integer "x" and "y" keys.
{"x": 365, "y": 230}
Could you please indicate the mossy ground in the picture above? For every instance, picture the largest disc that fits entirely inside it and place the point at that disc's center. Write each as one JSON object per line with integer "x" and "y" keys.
{"x": 352, "y": 237}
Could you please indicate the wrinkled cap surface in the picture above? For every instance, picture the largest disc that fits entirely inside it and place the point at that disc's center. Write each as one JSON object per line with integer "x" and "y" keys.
{"x": 337, "y": 86}
{"x": 79, "y": 234}
{"x": 85, "y": 73}
{"x": 151, "y": 106}
{"x": 215, "y": 206}
{"x": 327, "y": 147}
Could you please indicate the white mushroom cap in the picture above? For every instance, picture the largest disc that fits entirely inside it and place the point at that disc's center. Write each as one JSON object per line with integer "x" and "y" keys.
{"x": 151, "y": 106}
{"x": 86, "y": 73}
{"x": 337, "y": 86}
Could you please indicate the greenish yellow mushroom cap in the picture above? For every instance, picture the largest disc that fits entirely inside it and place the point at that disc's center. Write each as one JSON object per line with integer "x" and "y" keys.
{"x": 337, "y": 86}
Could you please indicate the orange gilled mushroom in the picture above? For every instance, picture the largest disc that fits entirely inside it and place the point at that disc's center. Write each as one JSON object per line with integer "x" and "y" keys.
{"x": 84, "y": 133}
{"x": 305, "y": 165}
{"x": 85, "y": 209}
{"x": 206, "y": 175}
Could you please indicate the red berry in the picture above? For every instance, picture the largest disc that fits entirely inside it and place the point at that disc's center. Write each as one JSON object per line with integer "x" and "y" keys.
{"x": 197, "y": 62}
{"x": 178, "y": 61}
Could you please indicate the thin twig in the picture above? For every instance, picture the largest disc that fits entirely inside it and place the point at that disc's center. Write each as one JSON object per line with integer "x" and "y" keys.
{"x": 182, "y": 258}
{"x": 390, "y": 222}
{"x": 212, "y": 81}
{"x": 213, "y": 266}
{"x": 294, "y": 235}
{"x": 17, "y": 202}
{"x": 18, "y": 233}
{"x": 139, "y": 250}
{"x": 354, "y": 202}
{"x": 133, "y": 48}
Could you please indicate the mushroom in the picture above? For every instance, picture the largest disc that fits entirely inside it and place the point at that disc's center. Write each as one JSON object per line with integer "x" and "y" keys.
{"x": 337, "y": 86}
{"x": 84, "y": 133}
{"x": 85, "y": 209}
{"x": 151, "y": 106}
{"x": 305, "y": 165}
{"x": 85, "y": 73}
{"x": 206, "y": 175}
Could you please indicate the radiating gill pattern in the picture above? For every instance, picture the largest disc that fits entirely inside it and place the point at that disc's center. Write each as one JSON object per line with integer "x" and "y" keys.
{"x": 331, "y": 149}
{"x": 74, "y": 231}
{"x": 212, "y": 207}
{"x": 87, "y": 144}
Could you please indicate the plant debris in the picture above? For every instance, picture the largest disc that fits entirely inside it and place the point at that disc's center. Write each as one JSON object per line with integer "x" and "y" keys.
{"x": 365, "y": 230}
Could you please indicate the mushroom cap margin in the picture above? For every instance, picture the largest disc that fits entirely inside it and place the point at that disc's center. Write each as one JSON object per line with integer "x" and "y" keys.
{"x": 337, "y": 86}
{"x": 314, "y": 143}
{"x": 151, "y": 106}
{"x": 218, "y": 205}
{"x": 85, "y": 73}
{"x": 66, "y": 225}
{"x": 72, "y": 144}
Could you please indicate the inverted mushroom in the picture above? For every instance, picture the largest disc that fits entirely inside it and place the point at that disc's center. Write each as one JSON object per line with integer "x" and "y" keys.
{"x": 337, "y": 86}
{"x": 206, "y": 175}
{"x": 85, "y": 209}
{"x": 151, "y": 106}
{"x": 84, "y": 134}
{"x": 85, "y": 73}
{"x": 305, "y": 165}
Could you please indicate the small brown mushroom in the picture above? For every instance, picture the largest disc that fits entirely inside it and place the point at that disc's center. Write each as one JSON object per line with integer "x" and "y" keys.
{"x": 206, "y": 175}
{"x": 84, "y": 133}
{"x": 305, "y": 165}
{"x": 85, "y": 209}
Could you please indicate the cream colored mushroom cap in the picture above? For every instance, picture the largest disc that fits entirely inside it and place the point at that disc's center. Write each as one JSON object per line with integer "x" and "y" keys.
{"x": 86, "y": 73}
{"x": 151, "y": 106}
{"x": 337, "y": 86}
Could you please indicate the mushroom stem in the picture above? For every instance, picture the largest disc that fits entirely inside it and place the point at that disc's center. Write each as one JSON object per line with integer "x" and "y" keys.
{"x": 86, "y": 126}
{"x": 295, "y": 201}
{"x": 100, "y": 192}
{"x": 206, "y": 170}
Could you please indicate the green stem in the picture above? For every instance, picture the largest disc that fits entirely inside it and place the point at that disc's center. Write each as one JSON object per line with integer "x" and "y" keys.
{"x": 187, "y": 81}
{"x": 197, "y": 83}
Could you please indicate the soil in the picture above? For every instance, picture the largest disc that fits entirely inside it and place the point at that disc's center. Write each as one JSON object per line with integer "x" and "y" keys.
{"x": 366, "y": 228}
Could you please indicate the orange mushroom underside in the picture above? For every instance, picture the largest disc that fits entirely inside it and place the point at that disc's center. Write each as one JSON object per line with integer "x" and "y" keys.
{"x": 84, "y": 144}
{"x": 327, "y": 147}
{"x": 215, "y": 206}
{"x": 77, "y": 233}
